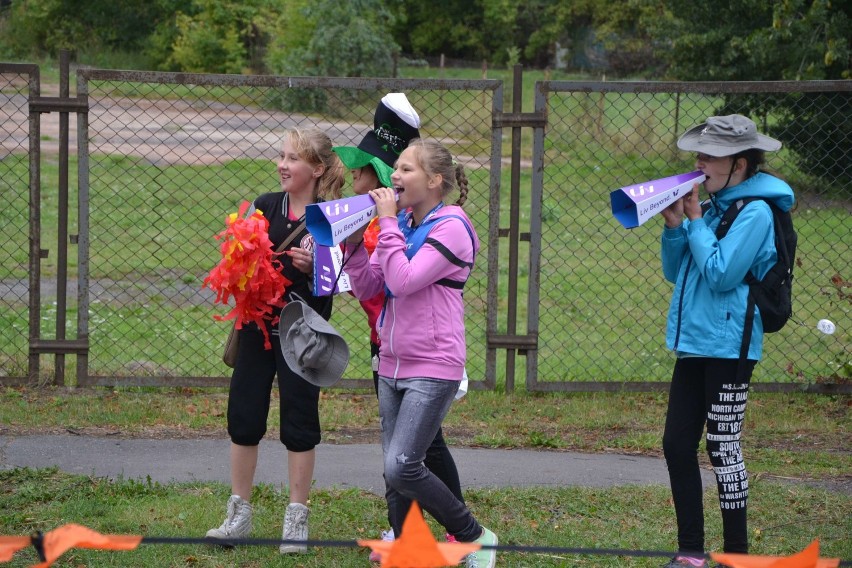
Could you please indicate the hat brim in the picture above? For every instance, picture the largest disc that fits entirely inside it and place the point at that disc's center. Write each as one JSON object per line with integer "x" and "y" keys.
{"x": 354, "y": 158}
{"x": 339, "y": 358}
{"x": 692, "y": 141}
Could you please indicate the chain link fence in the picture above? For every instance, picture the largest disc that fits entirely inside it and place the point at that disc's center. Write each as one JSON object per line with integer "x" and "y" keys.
{"x": 170, "y": 157}
{"x": 603, "y": 297}
{"x": 17, "y": 83}
{"x": 164, "y": 158}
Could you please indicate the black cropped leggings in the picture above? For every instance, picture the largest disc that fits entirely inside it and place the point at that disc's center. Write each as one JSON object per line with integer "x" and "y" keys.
{"x": 705, "y": 391}
{"x": 251, "y": 393}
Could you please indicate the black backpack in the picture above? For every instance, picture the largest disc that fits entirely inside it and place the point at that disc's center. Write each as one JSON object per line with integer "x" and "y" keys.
{"x": 774, "y": 294}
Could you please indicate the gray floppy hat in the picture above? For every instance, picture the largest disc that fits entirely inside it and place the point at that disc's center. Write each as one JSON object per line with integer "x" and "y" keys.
{"x": 313, "y": 349}
{"x": 725, "y": 136}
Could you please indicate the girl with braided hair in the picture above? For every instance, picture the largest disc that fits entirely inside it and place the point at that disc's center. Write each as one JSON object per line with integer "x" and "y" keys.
{"x": 371, "y": 165}
{"x": 423, "y": 258}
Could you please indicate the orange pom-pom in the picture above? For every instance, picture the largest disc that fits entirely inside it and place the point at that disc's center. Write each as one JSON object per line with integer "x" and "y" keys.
{"x": 371, "y": 235}
{"x": 248, "y": 271}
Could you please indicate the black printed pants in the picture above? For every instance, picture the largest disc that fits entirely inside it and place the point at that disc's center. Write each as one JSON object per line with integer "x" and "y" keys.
{"x": 706, "y": 391}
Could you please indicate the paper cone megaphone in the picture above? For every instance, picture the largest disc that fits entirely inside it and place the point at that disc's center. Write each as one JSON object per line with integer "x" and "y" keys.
{"x": 332, "y": 221}
{"x": 635, "y": 204}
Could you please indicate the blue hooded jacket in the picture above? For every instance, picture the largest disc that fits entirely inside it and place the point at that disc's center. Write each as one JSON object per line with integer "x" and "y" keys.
{"x": 707, "y": 312}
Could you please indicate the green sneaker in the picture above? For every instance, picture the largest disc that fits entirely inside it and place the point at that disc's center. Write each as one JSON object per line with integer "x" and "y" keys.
{"x": 484, "y": 557}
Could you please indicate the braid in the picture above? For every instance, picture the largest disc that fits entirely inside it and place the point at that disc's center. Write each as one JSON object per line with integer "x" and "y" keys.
{"x": 461, "y": 180}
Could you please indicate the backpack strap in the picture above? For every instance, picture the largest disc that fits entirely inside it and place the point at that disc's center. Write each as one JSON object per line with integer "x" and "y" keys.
{"x": 419, "y": 237}
{"x": 728, "y": 218}
{"x": 730, "y": 215}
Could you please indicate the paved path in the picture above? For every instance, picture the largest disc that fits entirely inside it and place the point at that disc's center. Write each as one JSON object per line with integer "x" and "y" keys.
{"x": 348, "y": 465}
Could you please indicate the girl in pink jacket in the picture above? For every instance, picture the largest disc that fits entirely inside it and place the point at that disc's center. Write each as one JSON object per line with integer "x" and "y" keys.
{"x": 422, "y": 260}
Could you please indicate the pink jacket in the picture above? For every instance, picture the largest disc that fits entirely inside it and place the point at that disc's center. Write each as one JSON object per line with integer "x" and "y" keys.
{"x": 422, "y": 331}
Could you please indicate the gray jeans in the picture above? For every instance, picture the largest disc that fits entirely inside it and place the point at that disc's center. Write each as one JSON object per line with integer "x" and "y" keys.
{"x": 411, "y": 411}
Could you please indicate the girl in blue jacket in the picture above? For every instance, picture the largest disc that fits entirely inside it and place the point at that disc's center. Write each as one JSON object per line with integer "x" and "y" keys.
{"x": 706, "y": 322}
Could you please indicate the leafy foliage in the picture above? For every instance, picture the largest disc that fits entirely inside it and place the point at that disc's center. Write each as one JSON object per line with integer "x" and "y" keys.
{"x": 43, "y": 27}
{"x": 349, "y": 39}
{"x": 752, "y": 40}
{"x": 215, "y": 36}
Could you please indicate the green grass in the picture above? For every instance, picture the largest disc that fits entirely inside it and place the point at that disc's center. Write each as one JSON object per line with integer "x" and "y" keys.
{"x": 783, "y": 520}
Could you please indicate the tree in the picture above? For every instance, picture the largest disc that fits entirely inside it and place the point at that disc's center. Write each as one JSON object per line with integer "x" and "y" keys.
{"x": 35, "y": 28}
{"x": 336, "y": 39}
{"x": 215, "y": 36}
{"x": 755, "y": 40}
{"x": 451, "y": 27}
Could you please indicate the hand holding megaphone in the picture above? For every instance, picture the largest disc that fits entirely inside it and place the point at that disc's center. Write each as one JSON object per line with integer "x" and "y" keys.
{"x": 385, "y": 198}
{"x": 332, "y": 221}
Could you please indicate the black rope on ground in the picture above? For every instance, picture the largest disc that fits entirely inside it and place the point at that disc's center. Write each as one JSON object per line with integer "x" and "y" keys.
{"x": 231, "y": 543}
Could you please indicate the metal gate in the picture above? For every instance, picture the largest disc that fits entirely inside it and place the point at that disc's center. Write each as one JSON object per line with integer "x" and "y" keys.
{"x": 161, "y": 158}
{"x": 164, "y": 156}
{"x": 600, "y": 311}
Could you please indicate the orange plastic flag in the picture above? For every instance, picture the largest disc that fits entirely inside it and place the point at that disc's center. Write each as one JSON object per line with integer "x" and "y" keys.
{"x": 59, "y": 540}
{"x": 808, "y": 558}
{"x": 417, "y": 547}
{"x": 9, "y": 545}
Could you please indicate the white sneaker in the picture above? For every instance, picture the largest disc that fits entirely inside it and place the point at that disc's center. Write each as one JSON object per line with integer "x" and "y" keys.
{"x": 237, "y": 523}
{"x": 295, "y": 528}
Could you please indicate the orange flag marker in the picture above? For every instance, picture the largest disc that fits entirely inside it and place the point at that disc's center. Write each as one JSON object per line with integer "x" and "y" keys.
{"x": 9, "y": 545}
{"x": 808, "y": 558}
{"x": 60, "y": 540}
{"x": 417, "y": 547}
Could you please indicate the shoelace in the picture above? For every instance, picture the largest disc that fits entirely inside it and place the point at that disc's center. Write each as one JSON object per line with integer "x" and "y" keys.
{"x": 230, "y": 517}
{"x": 290, "y": 518}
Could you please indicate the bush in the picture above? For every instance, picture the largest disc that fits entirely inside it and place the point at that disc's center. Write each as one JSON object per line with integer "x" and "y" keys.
{"x": 340, "y": 40}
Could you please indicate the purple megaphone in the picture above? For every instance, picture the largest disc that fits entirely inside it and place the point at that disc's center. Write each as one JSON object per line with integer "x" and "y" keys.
{"x": 332, "y": 221}
{"x": 634, "y": 204}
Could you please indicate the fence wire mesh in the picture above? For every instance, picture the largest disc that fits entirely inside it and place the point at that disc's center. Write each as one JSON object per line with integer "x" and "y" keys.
{"x": 603, "y": 297}
{"x": 169, "y": 161}
{"x": 169, "y": 156}
{"x": 14, "y": 223}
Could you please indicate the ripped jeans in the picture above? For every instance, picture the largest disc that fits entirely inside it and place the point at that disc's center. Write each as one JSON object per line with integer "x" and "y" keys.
{"x": 411, "y": 411}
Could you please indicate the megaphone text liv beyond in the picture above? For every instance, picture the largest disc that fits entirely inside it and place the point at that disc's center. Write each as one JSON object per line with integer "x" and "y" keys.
{"x": 332, "y": 221}
{"x": 634, "y": 204}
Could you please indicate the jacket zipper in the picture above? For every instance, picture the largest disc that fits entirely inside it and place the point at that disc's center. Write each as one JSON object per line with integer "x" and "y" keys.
{"x": 392, "y": 305}
{"x": 680, "y": 304}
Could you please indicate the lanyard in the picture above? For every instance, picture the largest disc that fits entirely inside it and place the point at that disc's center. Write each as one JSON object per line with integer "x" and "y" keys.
{"x": 406, "y": 226}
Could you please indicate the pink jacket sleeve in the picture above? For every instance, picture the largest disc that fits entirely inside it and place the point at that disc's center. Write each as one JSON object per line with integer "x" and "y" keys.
{"x": 366, "y": 279}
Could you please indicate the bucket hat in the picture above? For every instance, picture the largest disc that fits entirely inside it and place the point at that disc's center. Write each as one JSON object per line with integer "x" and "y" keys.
{"x": 395, "y": 124}
{"x": 313, "y": 349}
{"x": 725, "y": 136}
